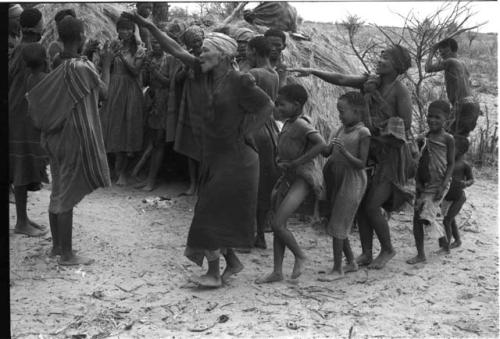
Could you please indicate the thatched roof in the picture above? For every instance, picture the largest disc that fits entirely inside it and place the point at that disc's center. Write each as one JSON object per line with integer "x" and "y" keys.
{"x": 98, "y": 18}
{"x": 321, "y": 52}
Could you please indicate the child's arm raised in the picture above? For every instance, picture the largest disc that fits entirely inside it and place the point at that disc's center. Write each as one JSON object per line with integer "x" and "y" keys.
{"x": 364, "y": 146}
{"x": 450, "y": 164}
{"x": 433, "y": 67}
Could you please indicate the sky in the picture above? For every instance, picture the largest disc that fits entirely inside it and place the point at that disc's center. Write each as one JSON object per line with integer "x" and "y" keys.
{"x": 380, "y": 12}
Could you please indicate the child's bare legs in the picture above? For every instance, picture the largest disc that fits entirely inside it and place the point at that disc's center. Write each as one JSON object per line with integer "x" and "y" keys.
{"x": 56, "y": 244}
{"x": 192, "y": 164}
{"x": 260, "y": 239}
{"x": 338, "y": 246}
{"x": 233, "y": 264}
{"x": 283, "y": 237}
{"x": 212, "y": 278}
{"x": 351, "y": 266}
{"x": 23, "y": 224}
{"x": 156, "y": 160}
{"x": 418, "y": 233}
{"x": 121, "y": 167}
{"x": 65, "y": 234}
{"x": 449, "y": 219}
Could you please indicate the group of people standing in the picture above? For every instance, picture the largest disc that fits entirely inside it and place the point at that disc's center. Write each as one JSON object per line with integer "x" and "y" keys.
{"x": 218, "y": 98}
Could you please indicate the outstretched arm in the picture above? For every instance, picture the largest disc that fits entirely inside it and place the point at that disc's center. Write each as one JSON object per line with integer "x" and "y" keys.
{"x": 433, "y": 67}
{"x": 339, "y": 79}
{"x": 168, "y": 44}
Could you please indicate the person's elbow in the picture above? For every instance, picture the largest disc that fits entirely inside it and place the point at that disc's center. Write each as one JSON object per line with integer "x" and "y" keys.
{"x": 103, "y": 93}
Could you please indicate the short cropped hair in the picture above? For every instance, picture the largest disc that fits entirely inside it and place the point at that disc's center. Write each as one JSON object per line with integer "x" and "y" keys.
{"x": 30, "y": 17}
{"x": 261, "y": 45}
{"x": 294, "y": 92}
{"x": 440, "y": 107}
{"x": 449, "y": 42}
{"x": 70, "y": 29}
{"x": 355, "y": 99}
{"x": 34, "y": 55}
{"x": 63, "y": 13}
{"x": 277, "y": 33}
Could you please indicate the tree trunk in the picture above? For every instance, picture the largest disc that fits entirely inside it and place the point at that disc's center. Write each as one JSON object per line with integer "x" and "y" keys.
{"x": 160, "y": 12}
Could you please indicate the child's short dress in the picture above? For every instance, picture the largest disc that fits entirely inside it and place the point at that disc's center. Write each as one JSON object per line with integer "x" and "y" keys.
{"x": 293, "y": 143}
{"x": 345, "y": 185}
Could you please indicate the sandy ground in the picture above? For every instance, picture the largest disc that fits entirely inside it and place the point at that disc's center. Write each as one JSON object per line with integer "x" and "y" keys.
{"x": 138, "y": 287}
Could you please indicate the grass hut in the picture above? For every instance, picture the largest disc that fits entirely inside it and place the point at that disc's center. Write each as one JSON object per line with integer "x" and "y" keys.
{"x": 98, "y": 18}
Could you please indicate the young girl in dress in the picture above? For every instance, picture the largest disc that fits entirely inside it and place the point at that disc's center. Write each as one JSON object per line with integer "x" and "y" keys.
{"x": 122, "y": 115}
{"x": 345, "y": 177}
{"x": 298, "y": 144}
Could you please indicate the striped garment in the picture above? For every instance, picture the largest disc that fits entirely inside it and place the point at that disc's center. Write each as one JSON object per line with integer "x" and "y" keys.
{"x": 64, "y": 105}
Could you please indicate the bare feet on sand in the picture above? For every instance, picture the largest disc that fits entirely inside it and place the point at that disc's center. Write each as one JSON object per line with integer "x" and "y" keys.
{"x": 148, "y": 188}
{"x": 381, "y": 260}
{"x": 231, "y": 270}
{"x": 273, "y": 277}
{"x": 443, "y": 251}
{"x": 298, "y": 267}
{"x": 35, "y": 225}
{"x": 28, "y": 229}
{"x": 73, "y": 260}
{"x": 352, "y": 267}
{"x": 122, "y": 181}
{"x": 54, "y": 252}
{"x": 208, "y": 281}
{"x": 191, "y": 191}
{"x": 364, "y": 259}
{"x": 416, "y": 260}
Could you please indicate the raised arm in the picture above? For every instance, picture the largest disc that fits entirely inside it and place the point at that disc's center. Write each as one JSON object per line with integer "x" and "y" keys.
{"x": 168, "y": 44}
{"x": 431, "y": 67}
{"x": 107, "y": 58}
{"x": 339, "y": 79}
{"x": 133, "y": 62}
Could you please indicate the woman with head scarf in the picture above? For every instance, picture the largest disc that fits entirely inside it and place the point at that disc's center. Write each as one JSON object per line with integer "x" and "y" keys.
{"x": 224, "y": 215}
{"x": 389, "y": 122}
{"x": 122, "y": 114}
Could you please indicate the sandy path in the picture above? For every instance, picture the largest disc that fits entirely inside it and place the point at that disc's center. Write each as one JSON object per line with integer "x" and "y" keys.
{"x": 138, "y": 286}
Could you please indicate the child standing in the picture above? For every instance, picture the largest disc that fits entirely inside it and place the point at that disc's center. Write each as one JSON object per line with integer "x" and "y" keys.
{"x": 345, "y": 177}
{"x": 298, "y": 144}
{"x": 455, "y": 198}
{"x": 434, "y": 172}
